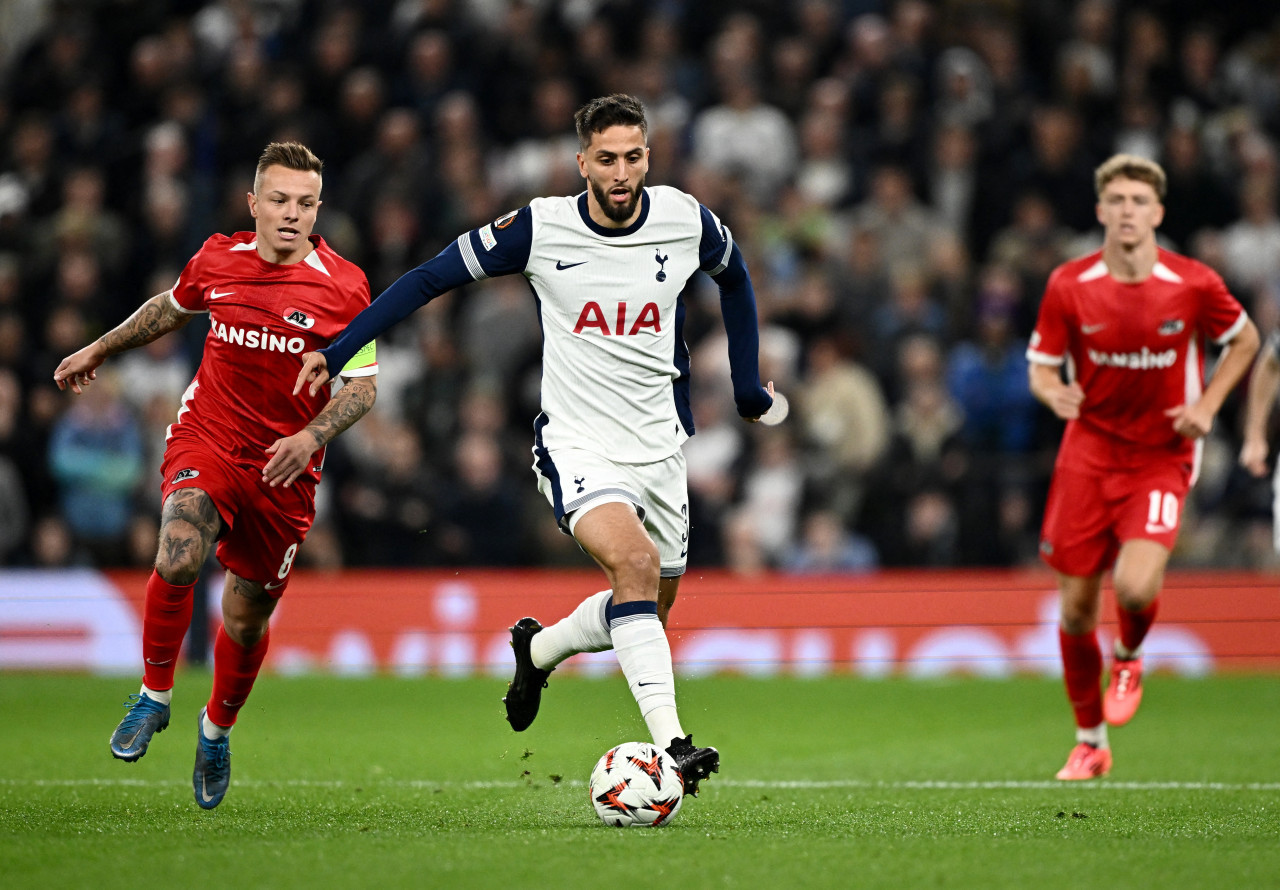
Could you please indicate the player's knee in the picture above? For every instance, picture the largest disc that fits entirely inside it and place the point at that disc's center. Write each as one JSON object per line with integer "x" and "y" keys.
{"x": 181, "y": 553}
{"x": 245, "y": 630}
{"x": 1076, "y": 620}
{"x": 1134, "y": 595}
{"x": 640, "y": 564}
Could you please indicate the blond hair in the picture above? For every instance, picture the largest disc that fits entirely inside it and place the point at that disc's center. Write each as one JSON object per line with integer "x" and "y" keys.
{"x": 290, "y": 155}
{"x": 1130, "y": 167}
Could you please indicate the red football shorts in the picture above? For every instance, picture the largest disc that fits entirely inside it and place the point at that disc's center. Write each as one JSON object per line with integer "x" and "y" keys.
{"x": 264, "y": 526}
{"x": 1089, "y": 514}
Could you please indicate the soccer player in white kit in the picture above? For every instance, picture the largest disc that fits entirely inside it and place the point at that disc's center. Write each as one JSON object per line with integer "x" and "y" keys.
{"x": 608, "y": 269}
{"x": 1264, "y": 383}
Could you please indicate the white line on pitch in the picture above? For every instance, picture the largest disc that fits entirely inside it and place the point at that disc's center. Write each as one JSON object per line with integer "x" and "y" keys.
{"x": 752, "y": 784}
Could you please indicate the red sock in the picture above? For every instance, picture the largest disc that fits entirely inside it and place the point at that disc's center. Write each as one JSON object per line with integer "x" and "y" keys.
{"x": 1134, "y": 625}
{"x": 165, "y": 619}
{"x": 1082, "y": 671}
{"x": 234, "y": 670}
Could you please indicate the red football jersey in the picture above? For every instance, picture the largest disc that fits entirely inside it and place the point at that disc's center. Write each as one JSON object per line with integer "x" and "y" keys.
{"x": 262, "y": 317}
{"x": 1136, "y": 350}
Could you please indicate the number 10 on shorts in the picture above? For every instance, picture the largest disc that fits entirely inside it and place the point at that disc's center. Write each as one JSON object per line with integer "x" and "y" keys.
{"x": 1162, "y": 512}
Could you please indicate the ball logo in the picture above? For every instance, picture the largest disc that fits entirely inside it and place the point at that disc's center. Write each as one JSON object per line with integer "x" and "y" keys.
{"x": 299, "y": 318}
{"x": 505, "y": 220}
{"x": 183, "y": 475}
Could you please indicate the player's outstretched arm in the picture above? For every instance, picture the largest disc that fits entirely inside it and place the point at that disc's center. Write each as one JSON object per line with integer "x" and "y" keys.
{"x": 741, "y": 325}
{"x": 151, "y": 321}
{"x": 1263, "y": 386}
{"x": 290, "y": 456}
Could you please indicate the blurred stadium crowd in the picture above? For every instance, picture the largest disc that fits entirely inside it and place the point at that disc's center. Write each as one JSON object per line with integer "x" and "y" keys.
{"x": 902, "y": 176}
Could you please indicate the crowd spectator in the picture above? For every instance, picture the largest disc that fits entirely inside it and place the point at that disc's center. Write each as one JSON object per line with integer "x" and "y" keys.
{"x": 870, "y": 156}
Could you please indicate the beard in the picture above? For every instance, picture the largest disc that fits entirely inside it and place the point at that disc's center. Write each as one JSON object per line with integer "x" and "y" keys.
{"x": 617, "y": 212}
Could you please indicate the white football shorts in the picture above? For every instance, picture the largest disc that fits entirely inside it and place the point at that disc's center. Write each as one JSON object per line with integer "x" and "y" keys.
{"x": 574, "y": 481}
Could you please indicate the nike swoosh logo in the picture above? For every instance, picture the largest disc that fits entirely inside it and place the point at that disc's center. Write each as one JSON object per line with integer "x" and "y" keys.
{"x": 272, "y": 586}
{"x": 159, "y": 663}
{"x": 213, "y": 294}
{"x": 233, "y": 704}
{"x": 655, "y": 683}
{"x": 561, "y": 266}
{"x": 204, "y": 793}
{"x": 1092, "y": 328}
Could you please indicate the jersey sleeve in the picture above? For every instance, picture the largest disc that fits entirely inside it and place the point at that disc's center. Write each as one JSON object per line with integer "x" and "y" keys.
{"x": 1221, "y": 315}
{"x": 716, "y": 246}
{"x": 500, "y": 247}
{"x": 738, "y": 309}
{"x": 1049, "y": 339}
{"x": 187, "y": 294}
{"x": 468, "y": 258}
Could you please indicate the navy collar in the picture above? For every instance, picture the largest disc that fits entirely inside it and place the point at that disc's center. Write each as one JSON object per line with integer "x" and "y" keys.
{"x": 594, "y": 226}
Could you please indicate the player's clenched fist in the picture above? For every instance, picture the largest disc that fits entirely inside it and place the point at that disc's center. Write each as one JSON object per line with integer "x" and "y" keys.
{"x": 1065, "y": 401}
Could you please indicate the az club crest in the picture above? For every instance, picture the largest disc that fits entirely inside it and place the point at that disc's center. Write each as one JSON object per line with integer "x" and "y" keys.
{"x": 299, "y": 318}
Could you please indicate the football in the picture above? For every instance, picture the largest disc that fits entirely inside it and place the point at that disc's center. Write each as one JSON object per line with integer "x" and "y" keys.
{"x": 636, "y": 784}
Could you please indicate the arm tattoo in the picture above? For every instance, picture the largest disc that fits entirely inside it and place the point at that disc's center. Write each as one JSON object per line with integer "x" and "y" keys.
{"x": 152, "y": 320}
{"x": 351, "y": 403}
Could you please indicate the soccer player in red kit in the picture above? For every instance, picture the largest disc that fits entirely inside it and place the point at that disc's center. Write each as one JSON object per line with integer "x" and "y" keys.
{"x": 1118, "y": 353}
{"x": 244, "y": 455}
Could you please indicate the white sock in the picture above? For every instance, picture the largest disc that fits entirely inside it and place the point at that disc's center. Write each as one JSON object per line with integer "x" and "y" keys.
{"x": 163, "y": 698}
{"x": 1097, "y": 736}
{"x": 1126, "y": 654}
{"x": 212, "y": 730}
{"x": 644, "y": 654}
{"x": 582, "y": 630}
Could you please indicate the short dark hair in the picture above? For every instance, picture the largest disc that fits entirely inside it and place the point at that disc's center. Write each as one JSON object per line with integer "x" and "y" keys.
{"x": 600, "y": 114}
{"x": 291, "y": 155}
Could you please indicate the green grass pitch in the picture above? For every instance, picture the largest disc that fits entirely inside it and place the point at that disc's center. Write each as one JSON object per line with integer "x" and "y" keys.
{"x": 389, "y": 782}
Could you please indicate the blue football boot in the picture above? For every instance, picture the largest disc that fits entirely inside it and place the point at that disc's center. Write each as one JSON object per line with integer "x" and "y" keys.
{"x": 213, "y": 767}
{"x": 146, "y": 717}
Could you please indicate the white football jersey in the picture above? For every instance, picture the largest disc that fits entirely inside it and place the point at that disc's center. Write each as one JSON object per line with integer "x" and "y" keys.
{"x": 615, "y": 369}
{"x": 615, "y": 366}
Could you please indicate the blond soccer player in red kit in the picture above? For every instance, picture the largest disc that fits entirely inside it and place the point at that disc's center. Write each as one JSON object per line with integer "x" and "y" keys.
{"x": 244, "y": 455}
{"x": 1118, "y": 353}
